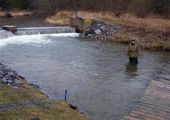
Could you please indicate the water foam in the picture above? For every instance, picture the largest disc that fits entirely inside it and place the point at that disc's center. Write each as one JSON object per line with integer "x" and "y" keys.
{"x": 33, "y": 39}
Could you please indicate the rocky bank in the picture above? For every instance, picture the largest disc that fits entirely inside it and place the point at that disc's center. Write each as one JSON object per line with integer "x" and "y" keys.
{"x": 100, "y": 30}
{"x": 10, "y": 77}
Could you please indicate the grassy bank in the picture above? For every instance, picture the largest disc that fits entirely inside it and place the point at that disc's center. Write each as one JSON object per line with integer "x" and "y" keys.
{"x": 60, "y": 110}
{"x": 17, "y": 13}
{"x": 156, "y": 31}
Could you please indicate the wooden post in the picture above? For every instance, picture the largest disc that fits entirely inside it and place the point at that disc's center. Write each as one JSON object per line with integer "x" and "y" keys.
{"x": 65, "y": 94}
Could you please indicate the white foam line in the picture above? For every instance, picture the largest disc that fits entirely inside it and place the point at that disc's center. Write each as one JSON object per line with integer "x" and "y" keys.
{"x": 33, "y": 39}
{"x": 63, "y": 35}
{"x": 37, "y": 28}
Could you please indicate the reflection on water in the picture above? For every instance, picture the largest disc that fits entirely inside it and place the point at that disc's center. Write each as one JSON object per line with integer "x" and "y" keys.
{"x": 131, "y": 69}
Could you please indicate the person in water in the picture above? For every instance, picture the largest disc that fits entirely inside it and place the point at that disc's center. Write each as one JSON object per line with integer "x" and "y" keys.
{"x": 133, "y": 51}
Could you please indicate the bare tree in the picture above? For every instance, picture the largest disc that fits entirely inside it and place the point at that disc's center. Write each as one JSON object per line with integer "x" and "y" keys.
{"x": 141, "y": 8}
{"x": 120, "y": 6}
{"x": 46, "y": 6}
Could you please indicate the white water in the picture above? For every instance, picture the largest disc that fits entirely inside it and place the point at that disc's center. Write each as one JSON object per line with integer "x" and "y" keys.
{"x": 36, "y": 30}
{"x": 33, "y": 39}
{"x": 5, "y": 34}
{"x": 44, "y": 30}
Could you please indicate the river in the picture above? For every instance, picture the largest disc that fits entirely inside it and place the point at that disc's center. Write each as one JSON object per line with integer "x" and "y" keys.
{"x": 50, "y": 60}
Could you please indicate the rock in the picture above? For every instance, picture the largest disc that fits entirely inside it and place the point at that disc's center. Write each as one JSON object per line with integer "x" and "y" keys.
{"x": 73, "y": 107}
{"x": 15, "y": 87}
{"x": 97, "y": 32}
{"x": 89, "y": 35}
{"x": 100, "y": 30}
{"x": 18, "y": 82}
{"x": 34, "y": 86}
{"x": 10, "y": 81}
{"x": 88, "y": 31}
{"x": 103, "y": 28}
{"x": 21, "y": 77}
{"x": 4, "y": 80}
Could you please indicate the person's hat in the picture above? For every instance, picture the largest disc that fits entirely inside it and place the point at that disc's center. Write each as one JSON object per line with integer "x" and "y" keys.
{"x": 133, "y": 39}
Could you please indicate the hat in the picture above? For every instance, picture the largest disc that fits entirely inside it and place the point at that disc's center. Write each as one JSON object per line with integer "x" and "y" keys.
{"x": 133, "y": 39}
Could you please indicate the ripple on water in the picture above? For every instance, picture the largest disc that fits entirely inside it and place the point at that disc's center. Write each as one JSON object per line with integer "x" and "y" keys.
{"x": 49, "y": 59}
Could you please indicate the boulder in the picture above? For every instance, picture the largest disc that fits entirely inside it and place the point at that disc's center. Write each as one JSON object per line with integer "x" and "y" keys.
{"x": 98, "y": 31}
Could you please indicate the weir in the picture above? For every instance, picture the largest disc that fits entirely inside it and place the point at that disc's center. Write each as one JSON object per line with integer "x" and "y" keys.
{"x": 36, "y": 30}
{"x": 5, "y": 34}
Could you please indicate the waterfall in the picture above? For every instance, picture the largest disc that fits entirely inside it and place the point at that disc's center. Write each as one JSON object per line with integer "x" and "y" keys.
{"x": 44, "y": 30}
{"x": 5, "y": 34}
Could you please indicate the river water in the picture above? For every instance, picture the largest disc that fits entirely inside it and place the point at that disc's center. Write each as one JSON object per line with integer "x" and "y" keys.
{"x": 50, "y": 60}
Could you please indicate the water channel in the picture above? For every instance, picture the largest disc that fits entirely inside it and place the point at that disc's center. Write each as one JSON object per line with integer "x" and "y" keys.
{"x": 50, "y": 59}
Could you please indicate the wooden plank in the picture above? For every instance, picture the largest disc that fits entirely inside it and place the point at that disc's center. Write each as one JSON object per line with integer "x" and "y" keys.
{"x": 143, "y": 117}
{"x": 153, "y": 112}
{"x": 160, "y": 84}
{"x": 156, "y": 97}
{"x": 143, "y": 113}
{"x": 139, "y": 116}
{"x": 130, "y": 118}
{"x": 163, "y": 111}
{"x": 151, "y": 103}
{"x": 162, "y": 108}
{"x": 164, "y": 89}
{"x": 157, "y": 93}
{"x": 159, "y": 88}
{"x": 154, "y": 103}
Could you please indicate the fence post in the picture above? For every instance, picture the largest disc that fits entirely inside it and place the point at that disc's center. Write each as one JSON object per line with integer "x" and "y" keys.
{"x": 65, "y": 94}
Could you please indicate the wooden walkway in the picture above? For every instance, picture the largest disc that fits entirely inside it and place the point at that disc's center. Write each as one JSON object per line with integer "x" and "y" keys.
{"x": 154, "y": 103}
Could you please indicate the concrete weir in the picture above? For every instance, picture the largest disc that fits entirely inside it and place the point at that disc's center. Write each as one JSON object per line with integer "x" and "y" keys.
{"x": 5, "y": 34}
{"x": 44, "y": 30}
{"x": 36, "y": 30}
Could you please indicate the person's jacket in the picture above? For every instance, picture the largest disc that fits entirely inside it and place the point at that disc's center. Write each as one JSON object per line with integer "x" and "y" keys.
{"x": 133, "y": 51}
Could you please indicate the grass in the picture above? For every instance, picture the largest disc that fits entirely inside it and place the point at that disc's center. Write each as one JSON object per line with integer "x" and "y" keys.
{"x": 130, "y": 26}
{"x": 60, "y": 19}
{"x": 60, "y": 110}
{"x": 16, "y": 13}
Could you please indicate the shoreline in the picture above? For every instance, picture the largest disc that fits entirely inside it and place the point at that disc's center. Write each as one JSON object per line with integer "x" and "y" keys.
{"x": 155, "y": 31}
{"x": 14, "y": 89}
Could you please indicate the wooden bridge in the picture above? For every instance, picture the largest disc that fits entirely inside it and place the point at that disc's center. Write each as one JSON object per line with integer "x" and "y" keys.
{"x": 154, "y": 103}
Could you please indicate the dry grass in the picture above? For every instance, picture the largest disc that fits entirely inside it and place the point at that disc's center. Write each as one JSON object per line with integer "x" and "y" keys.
{"x": 62, "y": 18}
{"x": 60, "y": 110}
{"x": 130, "y": 27}
{"x": 125, "y": 20}
{"x": 16, "y": 13}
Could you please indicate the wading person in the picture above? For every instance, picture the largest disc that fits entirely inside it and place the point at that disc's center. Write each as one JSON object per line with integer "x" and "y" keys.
{"x": 133, "y": 51}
